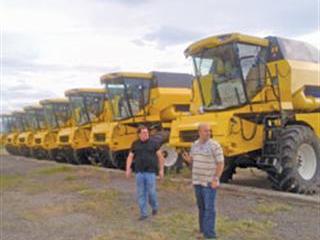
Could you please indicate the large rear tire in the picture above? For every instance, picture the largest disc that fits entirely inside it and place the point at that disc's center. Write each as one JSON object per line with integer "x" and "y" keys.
{"x": 119, "y": 159}
{"x": 53, "y": 154}
{"x": 229, "y": 170}
{"x": 300, "y": 161}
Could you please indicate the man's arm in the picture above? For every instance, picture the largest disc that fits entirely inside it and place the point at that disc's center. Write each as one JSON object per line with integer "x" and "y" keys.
{"x": 187, "y": 157}
{"x": 218, "y": 155}
{"x": 219, "y": 169}
{"x": 161, "y": 163}
{"x": 129, "y": 163}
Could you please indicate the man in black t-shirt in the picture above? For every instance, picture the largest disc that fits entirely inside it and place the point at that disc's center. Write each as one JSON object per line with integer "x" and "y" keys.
{"x": 147, "y": 156}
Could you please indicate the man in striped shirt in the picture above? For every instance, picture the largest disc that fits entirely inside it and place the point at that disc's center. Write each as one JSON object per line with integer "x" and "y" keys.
{"x": 207, "y": 160}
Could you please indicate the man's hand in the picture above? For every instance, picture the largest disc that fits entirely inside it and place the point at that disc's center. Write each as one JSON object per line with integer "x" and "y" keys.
{"x": 186, "y": 156}
{"x": 215, "y": 183}
{"x": 161, "y": 174}
{"x": 128, "y": 173}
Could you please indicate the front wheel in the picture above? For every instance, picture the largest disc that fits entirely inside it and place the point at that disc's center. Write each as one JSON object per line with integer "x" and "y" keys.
{"x": 300, "y": 161}
{"x": 229, "y": 170}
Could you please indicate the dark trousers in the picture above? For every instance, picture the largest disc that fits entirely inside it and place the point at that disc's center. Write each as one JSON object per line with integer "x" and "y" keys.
{"x": 206, "y": 197}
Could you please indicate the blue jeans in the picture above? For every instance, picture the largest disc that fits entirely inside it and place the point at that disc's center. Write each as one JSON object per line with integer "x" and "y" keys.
{"x": 206, "y": 197}
{"x": 146, "y": 191}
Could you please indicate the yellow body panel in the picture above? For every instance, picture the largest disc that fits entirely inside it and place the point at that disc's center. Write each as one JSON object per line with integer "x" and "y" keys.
{"x": 311, "y": 119}
{"x": 119, "y": 135}
{"x": 77, "y": 137}
{"x": 292, "y": 76}
{"x": 25, "y": 139}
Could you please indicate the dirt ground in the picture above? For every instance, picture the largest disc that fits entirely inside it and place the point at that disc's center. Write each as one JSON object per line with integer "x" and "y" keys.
{"x": 45, "y": 200}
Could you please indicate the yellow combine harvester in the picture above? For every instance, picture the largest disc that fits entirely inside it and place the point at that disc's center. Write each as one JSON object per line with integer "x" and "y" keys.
{"x": 87, "y": 107}
{"x": 262, "y": 98}
{"x": 153, "y": 99}
{"x": 33, "y": 121}
{"x": 11, "y": 144}
{"x": 7, "y": 127}
{"x": 57, "y": 116}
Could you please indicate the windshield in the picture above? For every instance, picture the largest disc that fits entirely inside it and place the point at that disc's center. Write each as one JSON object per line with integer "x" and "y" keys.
{"x": 57, "y": 114}
{"x": 21, "y": 122}
{"x": 87, "y": 107}
{"x": 36, "y": 119}
{"x": 127, "y": 96}
{"x": 7, "y": 124}
{"x": 226, "y": 70}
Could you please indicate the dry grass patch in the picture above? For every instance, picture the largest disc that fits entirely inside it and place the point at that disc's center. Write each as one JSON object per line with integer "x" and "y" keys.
{"x": 184, "y": 225}
{"x": 272, "y": 207}
{"x": 97, "y": 203}
{"x": 9, "y": 181}
{"x": 173, "y": 186}
{"x": 54, "y": 170}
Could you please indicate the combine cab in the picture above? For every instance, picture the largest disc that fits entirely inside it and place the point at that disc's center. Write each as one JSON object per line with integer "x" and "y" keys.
{"x": 261, "y": 97}
{"x": 19, "y": 126}
{"x": 33, "y": 121}
{"x": 57, "y": 116}
{"x": 153, "y": 99}
{"x": 7, "y": 127}
{"x": 87, "y": 107}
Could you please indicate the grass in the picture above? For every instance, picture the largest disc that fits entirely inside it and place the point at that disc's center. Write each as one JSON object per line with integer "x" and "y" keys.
{"x": 9, "y": 181}
{"x": 168, "y": 185}
{"x": 272, "y": 207}
{"x": 183, "y": 225}
{"x": 54, "y": 170}
{"x": 118, "y": 212}
{"x": 185, "y": 172}
{"x": 3, "y": 150}
{"x": 59, "y": 186}
{"x": 247, "y": 229}
{"x": 97, "y": 203}
{"x": 131, "y": 233}
{"x": 103, "y": 204}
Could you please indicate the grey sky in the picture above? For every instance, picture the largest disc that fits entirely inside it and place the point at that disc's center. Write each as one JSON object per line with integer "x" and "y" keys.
{"x": 50, "y": 46}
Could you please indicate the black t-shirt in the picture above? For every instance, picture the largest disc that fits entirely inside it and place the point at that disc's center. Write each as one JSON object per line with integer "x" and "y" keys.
{"x": 145, "y": 155}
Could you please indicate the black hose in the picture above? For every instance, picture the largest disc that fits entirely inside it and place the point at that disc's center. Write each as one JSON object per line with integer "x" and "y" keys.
{"x": 253, "y": 133}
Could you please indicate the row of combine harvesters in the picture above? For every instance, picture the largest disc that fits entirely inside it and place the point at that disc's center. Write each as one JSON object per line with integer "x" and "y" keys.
{"x": 261, "y": 97}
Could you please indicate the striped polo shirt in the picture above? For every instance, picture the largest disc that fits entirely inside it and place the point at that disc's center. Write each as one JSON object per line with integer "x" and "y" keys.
{"x": 205, "y": 158}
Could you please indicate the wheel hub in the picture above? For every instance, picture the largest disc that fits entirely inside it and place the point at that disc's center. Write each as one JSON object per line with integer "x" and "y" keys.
{"x": 307, "y": 161}
{"x": 169, "y": 154}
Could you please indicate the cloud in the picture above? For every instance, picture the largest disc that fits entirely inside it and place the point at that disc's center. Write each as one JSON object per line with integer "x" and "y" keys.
{"x": 50, "y": 46}
{"x": 168, "y": 35}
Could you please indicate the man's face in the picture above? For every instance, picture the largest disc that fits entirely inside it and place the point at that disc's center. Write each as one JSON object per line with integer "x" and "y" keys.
{"x": 144, "y": 135}
{"x": 205, "y": 132}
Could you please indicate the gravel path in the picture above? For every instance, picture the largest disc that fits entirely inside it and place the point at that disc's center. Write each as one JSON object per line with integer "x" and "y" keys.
{"x": 45, "y": 200}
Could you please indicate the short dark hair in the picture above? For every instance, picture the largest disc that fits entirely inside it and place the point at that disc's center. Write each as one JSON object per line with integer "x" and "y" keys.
{"x": 141, "y": 127}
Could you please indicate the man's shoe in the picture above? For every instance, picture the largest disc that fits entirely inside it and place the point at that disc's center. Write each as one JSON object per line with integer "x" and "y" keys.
{"x": 154, "y": 212}
{"x": 142, "y": 218}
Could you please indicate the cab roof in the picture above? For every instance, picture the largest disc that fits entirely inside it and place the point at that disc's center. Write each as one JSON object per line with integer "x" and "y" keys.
{"x": 161, "y": 79}
{"x": 33, "y": 107}
{"x": 77, "y": 91}
{"x": 218, "y": 40}
{"x": 54, "y": 100}
{"x": 111, "y": 76}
